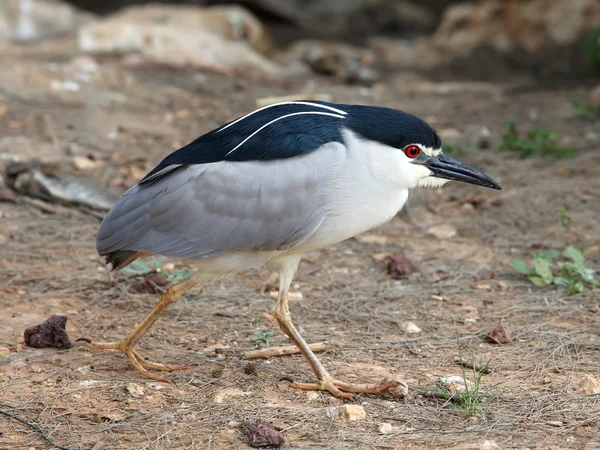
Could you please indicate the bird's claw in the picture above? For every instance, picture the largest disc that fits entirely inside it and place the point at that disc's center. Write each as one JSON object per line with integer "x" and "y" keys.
{"x": 137, "y": 361}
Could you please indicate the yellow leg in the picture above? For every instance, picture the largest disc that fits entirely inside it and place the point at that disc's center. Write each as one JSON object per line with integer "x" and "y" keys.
{"x": 126, "y": 346}
{"x": 325, "y": 381}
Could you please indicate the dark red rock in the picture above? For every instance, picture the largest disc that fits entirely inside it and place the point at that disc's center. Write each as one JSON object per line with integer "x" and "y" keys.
{"x": 262, "y": 434}
{"x": 499, "y": 335}
{"x": 151, "y": 285}
{"x": 399, "y": 265}
{"x": 51, "y": 333}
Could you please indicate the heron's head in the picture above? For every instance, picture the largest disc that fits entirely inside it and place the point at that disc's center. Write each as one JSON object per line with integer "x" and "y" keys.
{"x": 419, "y": 158}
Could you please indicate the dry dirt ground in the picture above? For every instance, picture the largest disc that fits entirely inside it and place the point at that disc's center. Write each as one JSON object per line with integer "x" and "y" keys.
{"x": 129, "y": 118}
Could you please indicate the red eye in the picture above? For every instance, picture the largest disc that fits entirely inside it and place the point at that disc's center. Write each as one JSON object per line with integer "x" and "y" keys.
{"x": 412, "y": 151}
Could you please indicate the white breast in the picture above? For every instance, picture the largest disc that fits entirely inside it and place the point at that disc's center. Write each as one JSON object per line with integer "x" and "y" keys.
{"x": 365, "y": 191}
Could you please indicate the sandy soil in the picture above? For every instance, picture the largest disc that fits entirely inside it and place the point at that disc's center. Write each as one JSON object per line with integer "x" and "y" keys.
{"x": 129, "y": 119}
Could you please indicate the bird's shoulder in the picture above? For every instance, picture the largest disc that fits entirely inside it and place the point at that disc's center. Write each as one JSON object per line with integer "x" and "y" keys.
{"x": 274, "y": 132}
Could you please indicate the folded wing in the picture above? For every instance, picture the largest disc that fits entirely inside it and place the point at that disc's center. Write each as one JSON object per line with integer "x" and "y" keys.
{"x": 203, "y": 210}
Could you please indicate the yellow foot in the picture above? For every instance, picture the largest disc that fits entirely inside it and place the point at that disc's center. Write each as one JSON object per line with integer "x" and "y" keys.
{"x": 341, "y": 389}
{"x": 136, "y": 360}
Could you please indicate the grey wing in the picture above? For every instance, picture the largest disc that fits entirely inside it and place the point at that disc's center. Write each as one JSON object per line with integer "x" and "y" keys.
{"x": 209, "y": 209}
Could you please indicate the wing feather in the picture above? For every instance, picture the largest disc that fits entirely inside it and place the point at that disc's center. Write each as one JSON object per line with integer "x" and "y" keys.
{"x": 208, "y": 209}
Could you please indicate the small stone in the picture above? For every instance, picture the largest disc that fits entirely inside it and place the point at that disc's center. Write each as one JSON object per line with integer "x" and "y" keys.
{"x": 595, "y": 309}
{"x": 234, "y": 424}
{"x": 482, "y": 287}
{"x": 589, "y": 385}
{"x": 385, "y": 428}
{"x": 151, "y": 285}
{"x": 555, "y": 423}
{"x": 135, "y": 389}
{"x": 410, "y": 328}
{"x": 4, "y": 351}
{"x": 499, "y": 335}
{"x": 262, "y": 434}
{"x": 226, "y": 394}
{"x": 37, "y": 369}
{"x": 399, "y": 265}
{"x": 443, "y": 231}
{"x": 353, "y": 412}
{"x": 454, "y": 383}
{"x": 312, "y": 396}
{"x": 51, "y": 333}
{"x": 488, "y": 445}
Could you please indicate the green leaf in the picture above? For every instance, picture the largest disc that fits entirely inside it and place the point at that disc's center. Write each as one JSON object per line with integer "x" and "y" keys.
{"x": 560, "y": 281}
{"x": 548, "y": 255}
{"x": 538, "y": 281}
{"x": 263, "y": 337}
{"x": 543, "y": 269}
{"x": 575, "y": 255}
{"x": 176, "y": 277}
{"x": 576, "y": 288}
{"x": 589, "y": 276}
{"x": 570, "y": 270}
{"x": 137, "y": 267}
{"x": 157, "y": 264}
{"x": 520, "y": 266}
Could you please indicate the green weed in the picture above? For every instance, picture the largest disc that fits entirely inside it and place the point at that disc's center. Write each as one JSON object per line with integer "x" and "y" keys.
{"x": 584, "y": 111}
{"x": 470, "y": 398}
{"x": 565, "y": 269}
{"x": 540, "y": 142}
{"x": 140, "y": 268}
{"x": 590, "y": 44}
{"x": 263, "y": 337}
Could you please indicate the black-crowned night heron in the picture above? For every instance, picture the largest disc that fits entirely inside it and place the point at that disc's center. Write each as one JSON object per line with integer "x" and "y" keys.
{"x": 268, "y": 187}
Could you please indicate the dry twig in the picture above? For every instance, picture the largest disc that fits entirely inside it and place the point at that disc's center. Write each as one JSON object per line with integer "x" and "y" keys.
{"x": 281, "y": 351}
{"x": 32, "y": 425}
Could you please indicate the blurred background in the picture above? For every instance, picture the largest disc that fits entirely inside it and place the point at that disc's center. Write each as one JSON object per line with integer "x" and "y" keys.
{"x": 91, "y": 79}
{"x": 94, "y": 93}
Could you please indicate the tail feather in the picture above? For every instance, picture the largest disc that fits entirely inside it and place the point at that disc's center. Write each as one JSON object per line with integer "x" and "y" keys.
{"x": 121, "y": 258}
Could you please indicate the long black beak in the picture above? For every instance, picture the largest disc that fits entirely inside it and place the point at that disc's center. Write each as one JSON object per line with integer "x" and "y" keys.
{"x": 444, "y": 166}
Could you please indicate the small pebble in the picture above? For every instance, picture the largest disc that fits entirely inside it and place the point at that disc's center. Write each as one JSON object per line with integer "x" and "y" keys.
{"x": 135, "y": 389}
{"x": 454, "y": 383}
{"x": 353, "y": 412}
{"x": 262, "y": 434}
{"x": 51, "y": 333}
{"x": 385, "y": 428}
{"x": 410, "y": 328}
{"x": 443, "y": 231}
{"x": 37, "y": 369}
{"x": 499, "y": 335}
